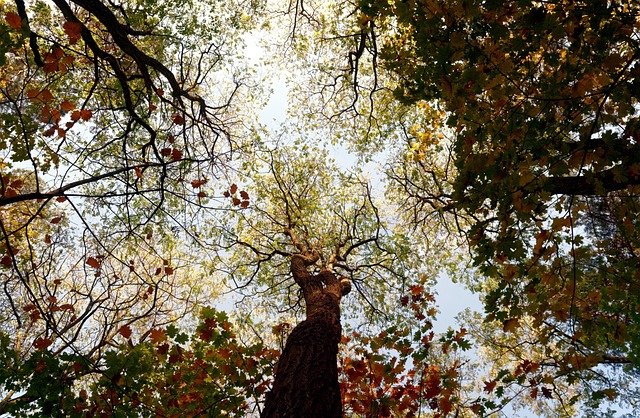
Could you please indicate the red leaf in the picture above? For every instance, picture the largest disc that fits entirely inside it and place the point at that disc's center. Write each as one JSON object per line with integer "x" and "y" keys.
{"x": 86, "y": 114}
{"x": 160, "y": 92}
{"x": 152, "y": 107}
{"x": 13, "y": 20}
{"x": 489, "y": 386}
{"x": 234, "y": 188}
{"x": 178, "y": 119}
{"x": 236, "y": 201}
{"x": 56, "y": 220}
{"x": 168, "y": 271}
{"x": 244, "y": 204}
{"x": 67, "y": 106}
{"x": 244, "y": 195}
{"x": 76, "y": 115}
{"x": 42, "y": 343}
{"x": 226, "y": 193}
{"x": 197, "y": 183}
{"x": 72, "y": 29}
{"x": 6, "y": 260}
{"x": 202, "y": 195}
{"x": 138, "y": 172}
{"x": 125, "y": 331}
{"x": 176, "y": 154}
{"x": 92, "y": 262}
{"x": 61, "y": 199}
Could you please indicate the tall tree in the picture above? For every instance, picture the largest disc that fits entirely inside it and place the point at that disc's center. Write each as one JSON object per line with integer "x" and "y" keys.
{"x": 540, "y": 102}
{"x": 312, "y": 233}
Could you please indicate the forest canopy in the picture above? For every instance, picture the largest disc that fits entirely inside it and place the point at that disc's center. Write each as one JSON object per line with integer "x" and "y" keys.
{"x": 169, "y": 249}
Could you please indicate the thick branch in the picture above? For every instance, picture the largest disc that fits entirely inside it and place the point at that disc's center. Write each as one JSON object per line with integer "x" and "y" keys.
{"x": 599, "y": 183}
{"x": 61, "y": 190}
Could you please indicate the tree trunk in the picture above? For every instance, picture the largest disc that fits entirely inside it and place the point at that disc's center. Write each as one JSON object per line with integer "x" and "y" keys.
{"x": 306, "y": 383}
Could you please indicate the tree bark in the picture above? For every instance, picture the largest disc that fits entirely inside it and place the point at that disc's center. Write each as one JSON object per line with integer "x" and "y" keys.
{"x": 306, "y": 382}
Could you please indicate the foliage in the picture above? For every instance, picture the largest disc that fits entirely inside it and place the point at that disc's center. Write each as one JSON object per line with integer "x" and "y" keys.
{"x": 540, "y": 100}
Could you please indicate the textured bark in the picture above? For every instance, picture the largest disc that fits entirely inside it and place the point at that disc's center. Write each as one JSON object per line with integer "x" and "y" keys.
{"x": 306, "y": 383}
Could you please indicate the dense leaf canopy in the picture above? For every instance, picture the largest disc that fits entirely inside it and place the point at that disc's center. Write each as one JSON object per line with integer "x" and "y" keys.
{"x": 141, "y": 197}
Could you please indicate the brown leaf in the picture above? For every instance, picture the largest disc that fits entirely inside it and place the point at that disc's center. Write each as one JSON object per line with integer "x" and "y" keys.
{"x": 56, "y": 220}
{"x": 92, "y": 262}
{"x": 176, "y": 154}
{"x": 13, "y": 20}
{"x": 510, "y": 325}
{"x": 42, "y": 343}
{"x": 73, "y": 31}
{"x": 67, "y": 105}
{"x": 125, "y": 331}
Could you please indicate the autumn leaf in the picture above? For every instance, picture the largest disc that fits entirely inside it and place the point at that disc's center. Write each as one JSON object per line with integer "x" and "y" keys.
{"x": 176, "y": 154}
{"x": 510, "y": 325}
{"x": 56, "y": 220}
{"x": 73, "y": 31}
{"x": 234, "y": 188}
{"x": 158, "y": 335}
{"x": 42, "y": 343}
{"x": 92, "y": 262}
{"x": 178, "y": 119}
{"x": 67, "y": 105}
{"x": 13, "y": 20}
{"x": 489, "y": 386}
{"x": 125, "y": 331}
{"x": 86, "y": 114}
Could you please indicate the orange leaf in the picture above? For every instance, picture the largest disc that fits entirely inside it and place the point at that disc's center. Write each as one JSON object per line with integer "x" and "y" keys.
{"x": 86, "y": 114}
{"x": 67, "y": 106}
{"x": 72, "y": 29}
{"x": 158, "y": 335}
{"x": 125, "y": 331}
{"x": 76, "y": 115}
{"x": 92, "y": 262}
{"x": 138, "y": 172}
{"x": 13, "y": 20}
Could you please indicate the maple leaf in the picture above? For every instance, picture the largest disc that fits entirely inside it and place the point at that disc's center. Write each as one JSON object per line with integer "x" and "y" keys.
{"x": 510, "y": 325}
{"x": 125, "y": 331}
{"x": 158, "y": 335}
{"x": 176, "y": 154}
{"x": 42, "y": 343}
{"x": 73, "y": 31}
{"x": 489, "y": 386}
